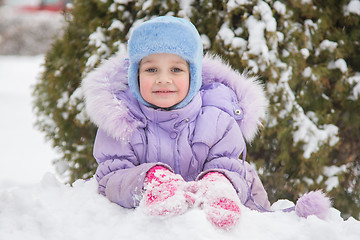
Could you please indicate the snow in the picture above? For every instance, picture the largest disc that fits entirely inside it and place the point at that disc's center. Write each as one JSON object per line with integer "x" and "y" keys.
{"x": 338, "y": 64}
{"x": 310, "y": 27}
{"x": 235, "y": 3}
{"x": 257, "y": 43}
{"x": 305, "y": 52}
{"x": 226, "y": 34}
{"x": 122, "y": 1}
{"x": 280, "y": 7}
{"x": 328, "y": 45}
{"x": 206, "y": 41}
{"x": 266, "y": 16}
{"x": 116, "y": 24}
{"x": 306, "y": 1}
{"x": 307, "y": 132}
{"x": 312, "y": 136}
{"x": 26, "y": 157}
{"x": 98, "y": 40}
{"x": 146, "y": 5}
{"x": 332, "y": 172}
{"x": 355, "y": 80}
{"x": 353, "y": 7}
{"x": 50, "y": 210}
{"x": 307, "y": 72}
{"x": 185, "y": 8}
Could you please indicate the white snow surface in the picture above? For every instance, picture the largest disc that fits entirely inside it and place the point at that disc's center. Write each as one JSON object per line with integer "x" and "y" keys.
{"x": 35, "y": 205}
{"x": 50, "y": 210}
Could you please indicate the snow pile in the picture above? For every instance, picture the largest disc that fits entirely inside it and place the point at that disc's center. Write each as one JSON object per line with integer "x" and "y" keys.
{"x": 50, "y": 210}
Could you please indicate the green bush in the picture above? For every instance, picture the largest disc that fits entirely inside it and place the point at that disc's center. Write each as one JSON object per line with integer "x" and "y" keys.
{"x": 306, "y": 52}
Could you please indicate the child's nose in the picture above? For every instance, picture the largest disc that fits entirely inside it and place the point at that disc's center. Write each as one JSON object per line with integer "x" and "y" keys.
{"x": 163, "y": 77}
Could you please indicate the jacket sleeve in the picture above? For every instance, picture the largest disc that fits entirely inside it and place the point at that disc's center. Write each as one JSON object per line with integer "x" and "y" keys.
{"x": 119, "y": 172}
{"x": 223, "y": 157}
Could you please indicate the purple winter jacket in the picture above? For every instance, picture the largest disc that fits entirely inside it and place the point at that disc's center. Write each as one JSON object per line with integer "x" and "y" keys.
{"x": 208, "y": 134}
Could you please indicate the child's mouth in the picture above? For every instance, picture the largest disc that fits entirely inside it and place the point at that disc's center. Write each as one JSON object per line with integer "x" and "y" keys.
{"x": 163, "y": 92}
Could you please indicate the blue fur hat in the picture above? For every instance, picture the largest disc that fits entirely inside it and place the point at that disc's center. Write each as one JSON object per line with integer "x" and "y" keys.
{"x": 166, "y": 35}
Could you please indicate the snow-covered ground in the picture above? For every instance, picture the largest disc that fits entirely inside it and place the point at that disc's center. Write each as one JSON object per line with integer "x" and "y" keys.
{"x": 50, "y": 210}
{"x": 35, "y": 205}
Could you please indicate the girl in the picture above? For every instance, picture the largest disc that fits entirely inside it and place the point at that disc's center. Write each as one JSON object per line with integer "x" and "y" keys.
{"x": 172, "y": 125}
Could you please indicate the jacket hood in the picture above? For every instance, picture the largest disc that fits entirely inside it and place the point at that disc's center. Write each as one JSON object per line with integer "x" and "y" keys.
{"x": 101, "y": 86}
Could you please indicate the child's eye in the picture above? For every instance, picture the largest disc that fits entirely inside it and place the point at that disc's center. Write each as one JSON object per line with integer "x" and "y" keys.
{"x": 151, "y": 70}
{"x": 176, "y": 70}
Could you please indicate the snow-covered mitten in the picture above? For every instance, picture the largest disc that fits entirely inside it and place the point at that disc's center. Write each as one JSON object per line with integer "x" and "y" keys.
{"x": 313, "y": 203}
{"x": 164, "y": 193}
{"x": 219, "y": 200}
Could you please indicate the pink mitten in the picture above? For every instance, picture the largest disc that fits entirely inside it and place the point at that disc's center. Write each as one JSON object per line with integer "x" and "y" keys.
{"x": 164, "y": 193}
{"x": 220, "y": 201}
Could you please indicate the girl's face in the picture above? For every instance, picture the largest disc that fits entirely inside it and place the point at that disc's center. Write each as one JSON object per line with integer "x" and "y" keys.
{"x": 164, "y": 79}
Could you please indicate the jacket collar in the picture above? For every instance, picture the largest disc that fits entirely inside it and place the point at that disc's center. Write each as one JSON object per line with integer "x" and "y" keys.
{"x": 173, "y": 118}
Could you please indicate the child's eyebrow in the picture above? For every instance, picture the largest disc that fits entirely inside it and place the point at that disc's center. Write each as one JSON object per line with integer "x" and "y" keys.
{"x": 183, "y": 63}
{"x": 179, "y": 62}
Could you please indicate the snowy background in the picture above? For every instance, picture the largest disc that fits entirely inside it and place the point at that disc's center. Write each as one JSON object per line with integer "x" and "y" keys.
{"x": 26, "y": 157}
{"x": 35, "y": 204}
{"x": 24, "y": 39}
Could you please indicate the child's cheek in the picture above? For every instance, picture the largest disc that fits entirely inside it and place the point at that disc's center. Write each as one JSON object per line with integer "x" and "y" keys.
{"x": 145, "y": 86}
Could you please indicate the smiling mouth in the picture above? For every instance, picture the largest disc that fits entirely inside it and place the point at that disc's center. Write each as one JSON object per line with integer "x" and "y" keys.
{"x": 163, "y": 92}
